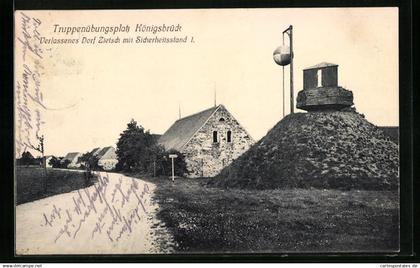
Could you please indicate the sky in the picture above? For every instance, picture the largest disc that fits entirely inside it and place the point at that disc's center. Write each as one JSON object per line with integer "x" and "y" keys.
{"x": 92, "y": 91}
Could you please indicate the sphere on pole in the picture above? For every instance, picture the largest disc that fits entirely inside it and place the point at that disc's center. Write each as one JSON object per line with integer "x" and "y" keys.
{"x": 282, "y": 55}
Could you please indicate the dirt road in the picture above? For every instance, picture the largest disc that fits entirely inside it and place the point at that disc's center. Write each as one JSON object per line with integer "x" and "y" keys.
{"x": 114, "y": 216}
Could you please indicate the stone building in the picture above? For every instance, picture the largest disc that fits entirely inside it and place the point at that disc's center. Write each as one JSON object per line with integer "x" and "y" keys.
{"x": 209, "y": 140}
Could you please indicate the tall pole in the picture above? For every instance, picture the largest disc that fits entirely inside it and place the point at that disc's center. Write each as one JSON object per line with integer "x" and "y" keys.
{"x": 281, "y": 58}
{"x": 283, "y": 93}
{"x": 283, "y": 83}
{"x": 44, "y": 160}
{"x": 291, "y": 70}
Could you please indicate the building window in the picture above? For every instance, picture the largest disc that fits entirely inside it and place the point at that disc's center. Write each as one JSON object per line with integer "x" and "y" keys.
{"x": 221, "y": 119}
{"x": 229, "y": 136}
{"x": 214, "y": 136}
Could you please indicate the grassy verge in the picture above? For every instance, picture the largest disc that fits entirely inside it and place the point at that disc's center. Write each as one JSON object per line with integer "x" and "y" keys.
{"x": 30, "y": 183}
{"x": 206, "y": 219}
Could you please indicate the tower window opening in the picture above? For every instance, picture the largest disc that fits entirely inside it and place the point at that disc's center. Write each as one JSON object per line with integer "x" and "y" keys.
{"x": 214, "y": 136}
{"x": 229, "y": 136}
{"x": 319, "y": 76}
{"x": 221, "y": 119}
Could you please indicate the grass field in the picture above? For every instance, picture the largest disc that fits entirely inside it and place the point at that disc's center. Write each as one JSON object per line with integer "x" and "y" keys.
{"x": 30, "y": 183}
{"x": 206, "y": 219}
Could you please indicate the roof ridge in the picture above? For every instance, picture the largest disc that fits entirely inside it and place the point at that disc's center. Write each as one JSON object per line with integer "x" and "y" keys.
{"x": 323, "y": 64}
{"x": 208, "y": 109}
{"x": 182, "y": 130}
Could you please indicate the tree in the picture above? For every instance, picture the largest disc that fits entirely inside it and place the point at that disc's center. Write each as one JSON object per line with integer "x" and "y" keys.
{"x": 89, "y": 161}
{"x": 26, "y": 159}
{"x": 55, "y": 162}
{"x": 136, "y": 149}
{"x": 39, "y": 161}
{"x": 40, "y": 148}
{"x": 65, "y": 163}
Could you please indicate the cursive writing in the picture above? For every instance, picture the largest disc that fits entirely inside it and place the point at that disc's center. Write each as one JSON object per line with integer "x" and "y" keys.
{"x": 109, "y": 209}
{"x": 29, "y": 97}
{"x": 30, "y": 36}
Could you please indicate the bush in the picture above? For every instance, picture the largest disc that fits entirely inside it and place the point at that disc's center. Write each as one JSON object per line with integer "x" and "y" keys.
{"x": 138, "y": 151}
{"x": 164, "y": 164}
{"x": 89, "y": 161}
{"x": 65, "y": 164}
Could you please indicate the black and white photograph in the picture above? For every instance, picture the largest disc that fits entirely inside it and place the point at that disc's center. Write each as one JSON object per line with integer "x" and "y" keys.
{"x": 210, "y": 131}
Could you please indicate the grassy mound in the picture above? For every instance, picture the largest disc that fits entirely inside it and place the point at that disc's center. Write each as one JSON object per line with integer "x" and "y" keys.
{"x": 340, "y": 150}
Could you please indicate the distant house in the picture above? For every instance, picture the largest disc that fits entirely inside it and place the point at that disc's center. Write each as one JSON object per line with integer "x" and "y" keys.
{"x": 73, "y": 158}
{"x": 107, "y": 158}
{"x": 209, "y": 140}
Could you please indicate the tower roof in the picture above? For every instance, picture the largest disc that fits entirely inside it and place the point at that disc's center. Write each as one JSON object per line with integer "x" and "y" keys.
{"x": 321, "y": 65}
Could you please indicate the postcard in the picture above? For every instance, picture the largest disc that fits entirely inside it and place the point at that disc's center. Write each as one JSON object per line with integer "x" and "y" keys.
{"x": 180, "y": 131}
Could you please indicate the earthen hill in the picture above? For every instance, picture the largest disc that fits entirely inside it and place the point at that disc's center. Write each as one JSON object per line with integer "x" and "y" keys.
{"x": 331, "y": 146}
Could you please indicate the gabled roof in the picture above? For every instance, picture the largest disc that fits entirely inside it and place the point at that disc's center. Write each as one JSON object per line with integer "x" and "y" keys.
{"x": 95, "y": 151}
{"x": 183, "y": 129}
{"x": 109, "y": 154}
{"x": 103, "y": 151}
{"x": 321, "y": 65}
{"x": 71, "y": 156}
